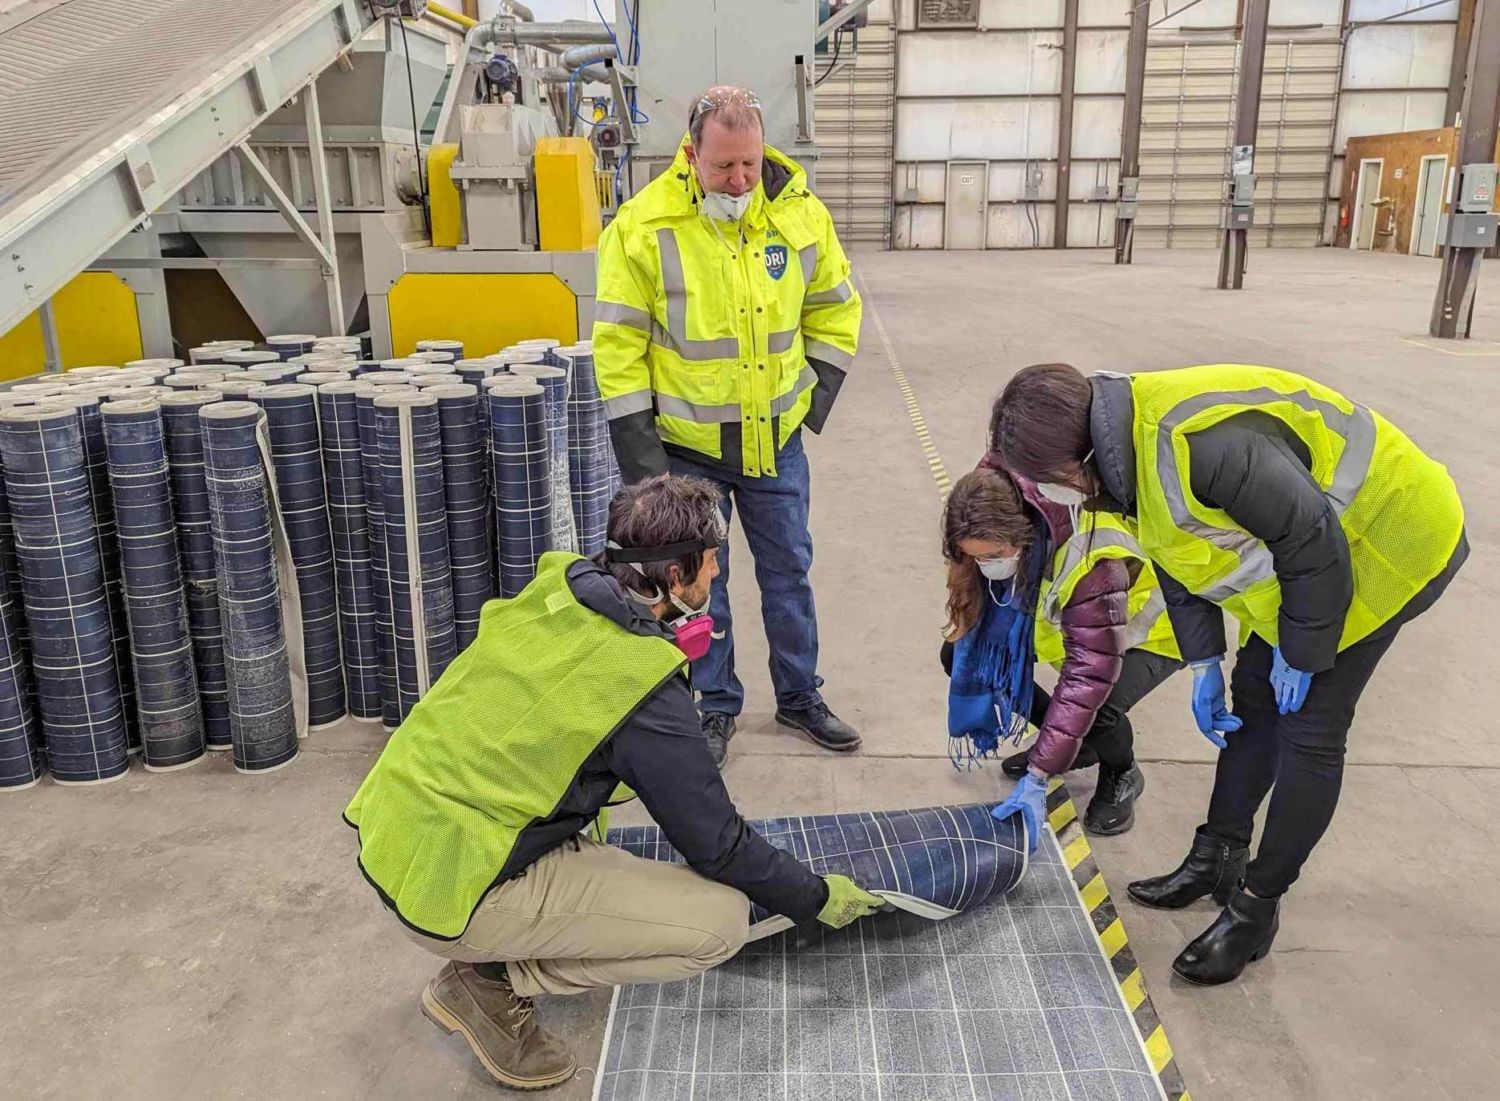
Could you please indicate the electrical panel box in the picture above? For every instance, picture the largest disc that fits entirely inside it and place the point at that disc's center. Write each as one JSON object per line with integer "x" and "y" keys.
{"x": 1240, "y": 217}
{"x": 1130, "y": 188}
{"x": 1033, "y": 185}
{"x": 1476, "y": 189}
{"x": 1472, "y": 230}
{"x": 1242, "y": 190}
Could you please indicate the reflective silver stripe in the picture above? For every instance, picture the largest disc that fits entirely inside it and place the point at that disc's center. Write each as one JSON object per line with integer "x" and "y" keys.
{"x": 625, "y": 405}
{"x": 1357, "y": 428}
{"x": 809, "y": 258}
{"x": 807, "y": 379}
{"x": 1077, "y": 546}
{"x": 816, "y": 349}
{"x": 1138, "y": 630}
{"x": 841, "y": 293}
{"x": 669, "y": 406}
{"x": 780, "y": 342}
{"x": 629, "y": 316}
{"x": 675, "y": 336}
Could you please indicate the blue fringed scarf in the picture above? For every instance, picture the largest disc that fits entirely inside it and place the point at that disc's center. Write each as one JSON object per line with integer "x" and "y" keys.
{"x": 989, "y": 693}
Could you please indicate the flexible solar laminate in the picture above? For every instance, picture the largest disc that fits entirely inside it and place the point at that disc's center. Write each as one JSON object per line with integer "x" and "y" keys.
{"x": 454, "y": 348}
{"x": 262, "y": 720}
{"x": 380, "y": 575}
{"x": 67, "y": 606}
{"x": 183, "y": 435}
{"x": 521, "y": 479}
{"x": 171, "y": 721}
{"x": 466, "y": 498}
{"x": 1009, "y": 999}
{"x": 554, "y": 383}
{"x": 296, "y": 453}
{"x": 338, "y": 415}
{"x": 21, "y": 759}
{"x": 409, "y": 436}
{"x": 590, "y": 457}
{"x": 288, "y": 345}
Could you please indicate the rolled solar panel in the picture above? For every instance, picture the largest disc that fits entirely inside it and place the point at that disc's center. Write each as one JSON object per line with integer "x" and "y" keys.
{"x": 386, "y": 378}
{"x": 409, "y": 436}
{"x": 518, "y": 355}
{"x": 466, "y": 497}
{"x": 433, "y": 357}
{"x": 365, "y": 366}
{"x": 170, "y": 720}
{"x": 349, "y": 345}
{"x": 475, "y": 371}
{"x": 276, "y": 373}
{"x": 235, "y": 388}
{"x": 521, "y": 479}
{"x": 554, "y": 381}
{"x": 262, "y": 720}
{"x": 435, "y": 367}
{"x": 445, "y": 378}
{"x": 182, "y": 431}
{"x": 22, "y": 762}
{"x": 76, "y": 375}
{"x": 338, "y": 417}
{"x": 318, "y": 378}
{"x": 454, "y": 348}
{"x": 177, "y": 382}
{"x": 164, "y": 364}
{"x": 51, "y": 501}
{"x": 400, "y": 363}
{"x": 590, "y": 457}
{"x": 250, "y": 357}
{"x": 297, "y": 456}
{"x": 380, "y": 576}
{"x": 287, "y": 345}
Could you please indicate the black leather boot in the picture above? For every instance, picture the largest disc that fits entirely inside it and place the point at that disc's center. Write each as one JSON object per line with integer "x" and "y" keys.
{"x": 1242, "y": 932}
{"x": 1213, "y": 867}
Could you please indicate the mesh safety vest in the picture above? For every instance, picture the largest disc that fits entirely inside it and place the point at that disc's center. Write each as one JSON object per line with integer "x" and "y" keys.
{"x": 1398, "y": 508}
{"x": 712, "y": 332}
{"x": 1103, "y": 535}
{"x": 495, "y": 745}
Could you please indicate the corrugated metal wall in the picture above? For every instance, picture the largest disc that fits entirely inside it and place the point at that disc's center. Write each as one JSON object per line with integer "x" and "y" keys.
{"x": 855, "y": 121}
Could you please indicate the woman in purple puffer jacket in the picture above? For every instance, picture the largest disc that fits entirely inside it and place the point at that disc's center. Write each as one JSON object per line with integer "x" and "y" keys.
{"x": 1108, "y": 662}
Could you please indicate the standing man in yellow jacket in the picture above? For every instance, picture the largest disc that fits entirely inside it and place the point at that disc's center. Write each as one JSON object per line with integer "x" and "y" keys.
{"x": 725, "y": 322}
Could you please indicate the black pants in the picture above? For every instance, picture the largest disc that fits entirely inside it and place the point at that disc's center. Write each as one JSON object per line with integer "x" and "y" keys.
{"x": 1112, "y": 736}
{"x": 1299, "y": 758}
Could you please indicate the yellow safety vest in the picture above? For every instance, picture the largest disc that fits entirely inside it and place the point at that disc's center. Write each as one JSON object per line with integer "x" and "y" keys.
{"x": 1101, "y": 536}
{"x": 1399, "y": 509}
{"x": 495, "y": 745}
{"x": 711, "y": 331}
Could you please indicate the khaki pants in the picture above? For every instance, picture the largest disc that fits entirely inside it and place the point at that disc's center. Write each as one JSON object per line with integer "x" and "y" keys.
{"x": 597, "y": 916}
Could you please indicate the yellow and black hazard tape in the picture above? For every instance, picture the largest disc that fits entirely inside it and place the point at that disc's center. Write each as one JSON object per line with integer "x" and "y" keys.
{"x": 1063, "y": 817}
{"x": 1061, "y": 813}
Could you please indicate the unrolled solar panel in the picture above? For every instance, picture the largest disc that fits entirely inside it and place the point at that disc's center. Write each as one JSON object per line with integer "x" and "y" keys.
{"x": 67, "y": 605}
{"x": 263, "y": 722}
{"x": 171, "y": 721}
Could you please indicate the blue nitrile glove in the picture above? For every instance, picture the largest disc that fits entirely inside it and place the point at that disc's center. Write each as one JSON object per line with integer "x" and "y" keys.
{"x": 1290, "y": 685}
{"x": 1209, "y": 709}
{"x": 1029, "y": 799}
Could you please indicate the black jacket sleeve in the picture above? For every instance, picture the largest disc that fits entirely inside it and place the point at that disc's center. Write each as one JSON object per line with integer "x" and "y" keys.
{"x": 1197, "y": 623}
{"x": 1248, "y": 467}
{"x": 638, "y": 448}
{"x": 661, "y": 753}
{"x": 830, "y": 380}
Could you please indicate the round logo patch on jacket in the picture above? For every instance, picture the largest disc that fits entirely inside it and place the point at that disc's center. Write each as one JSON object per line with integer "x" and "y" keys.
{"x": 775, "y": 261}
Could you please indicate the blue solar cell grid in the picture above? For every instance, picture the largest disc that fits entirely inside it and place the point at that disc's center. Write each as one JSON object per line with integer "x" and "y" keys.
{"x": 522, "y": 482}
{"x": 590, "y": 456}
{"x": 380, "y": 576}
{"x": 467, "y": 504}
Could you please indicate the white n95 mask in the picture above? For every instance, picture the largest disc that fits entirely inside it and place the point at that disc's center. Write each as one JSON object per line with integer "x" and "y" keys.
{"x": 722, "y": 207}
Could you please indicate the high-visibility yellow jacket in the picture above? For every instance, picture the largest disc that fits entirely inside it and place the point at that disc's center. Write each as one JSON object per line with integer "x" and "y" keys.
{"x": 716, "y": 339}
{"x": 1398, "y": 509}
{"x": 1100, "y": 536}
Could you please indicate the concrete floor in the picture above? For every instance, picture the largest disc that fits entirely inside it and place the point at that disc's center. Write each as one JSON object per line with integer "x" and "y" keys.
{"x": 206, "y": 934}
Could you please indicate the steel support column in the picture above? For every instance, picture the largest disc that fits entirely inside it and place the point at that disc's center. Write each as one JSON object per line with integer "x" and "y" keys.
{"x": 1065, "y": 124}
{"x": 324, "y": 200}
{"x": 1453, "y": 306}
{"x": 52, "y": 361}
{"x": 1460, "y": 61}
{"x": 1236, "y": 242}
{"x": 1130, "y": 127}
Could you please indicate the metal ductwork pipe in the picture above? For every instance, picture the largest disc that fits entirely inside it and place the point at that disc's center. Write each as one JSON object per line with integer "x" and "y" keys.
{"x": 556, "y": 74}
{"x": 507, "y": 32}
{"x": 520, "y": 11}
{"x": 575, "y": 57}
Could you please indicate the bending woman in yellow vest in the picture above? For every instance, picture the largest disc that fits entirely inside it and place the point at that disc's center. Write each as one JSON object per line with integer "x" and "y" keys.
{"x": 1312, "y": 519}
{"x": 1100, "y": 621}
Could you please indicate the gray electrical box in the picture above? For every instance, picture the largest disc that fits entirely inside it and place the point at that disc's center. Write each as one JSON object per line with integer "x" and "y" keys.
{"x": 1033, "y": 185}
{"x": 1242, "y": 190}
{"x": 1240, "y": 217}
{"x": 1476, "y": 189}
{"x": 1472, "y": 230}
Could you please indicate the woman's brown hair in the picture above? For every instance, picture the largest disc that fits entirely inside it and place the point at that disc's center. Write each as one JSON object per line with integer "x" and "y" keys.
{"x": 985, "y": 504}
{"x": 1040, "y": 423}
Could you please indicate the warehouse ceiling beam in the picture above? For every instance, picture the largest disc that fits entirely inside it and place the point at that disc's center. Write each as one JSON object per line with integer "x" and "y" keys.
{"x": 1471, "y": 226}
{"x": 1130, "y": 132}
{"x": 1239, "y": 207}
{"x": 66, "y": 225}
{"x": 288, "y": 209}
{"x": 1065, "y": 125}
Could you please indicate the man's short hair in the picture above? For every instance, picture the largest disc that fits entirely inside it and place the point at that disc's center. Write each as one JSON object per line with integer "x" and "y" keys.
{"x": 660, "y": 512}
{"x": 737, "y": 109}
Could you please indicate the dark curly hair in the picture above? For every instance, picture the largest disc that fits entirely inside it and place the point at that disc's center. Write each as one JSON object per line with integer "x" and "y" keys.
{"x": 658, "y": 512}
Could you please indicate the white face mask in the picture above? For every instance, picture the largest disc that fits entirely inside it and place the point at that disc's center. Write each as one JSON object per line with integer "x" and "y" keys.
{"x": 1061, "y": 494}
{"x": 998, "y": 569}
{"x": 722, "y": 207}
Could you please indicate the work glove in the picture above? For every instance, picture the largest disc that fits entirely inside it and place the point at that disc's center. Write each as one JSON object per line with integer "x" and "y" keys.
{"x": 847, "y": 902}
{"x": 1029, "y": 799}
{"x": 1290, "y": 685}
{"x": 1209, "y": 709}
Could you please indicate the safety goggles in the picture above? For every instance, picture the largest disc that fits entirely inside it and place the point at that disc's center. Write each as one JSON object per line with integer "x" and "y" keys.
{"x": 711, "y": 103}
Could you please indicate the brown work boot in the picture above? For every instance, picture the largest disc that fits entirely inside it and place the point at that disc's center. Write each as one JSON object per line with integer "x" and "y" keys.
{"x": 500, "y": 1026}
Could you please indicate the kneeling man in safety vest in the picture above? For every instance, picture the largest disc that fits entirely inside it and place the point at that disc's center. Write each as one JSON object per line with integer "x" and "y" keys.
{"x": 471, "y": 824}
{"x": 725, "y": 322}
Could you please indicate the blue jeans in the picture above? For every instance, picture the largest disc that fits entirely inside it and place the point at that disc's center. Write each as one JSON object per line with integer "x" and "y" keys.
{"x": 773, "y": 513}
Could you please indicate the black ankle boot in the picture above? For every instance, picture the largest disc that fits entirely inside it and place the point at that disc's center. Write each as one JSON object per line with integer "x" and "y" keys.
{"x": 1243, "y": 932}
{"x": 1213, "y": 867}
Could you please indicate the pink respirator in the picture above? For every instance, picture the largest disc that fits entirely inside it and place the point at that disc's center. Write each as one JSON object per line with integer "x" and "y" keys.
{"x": 694, "y": 630}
